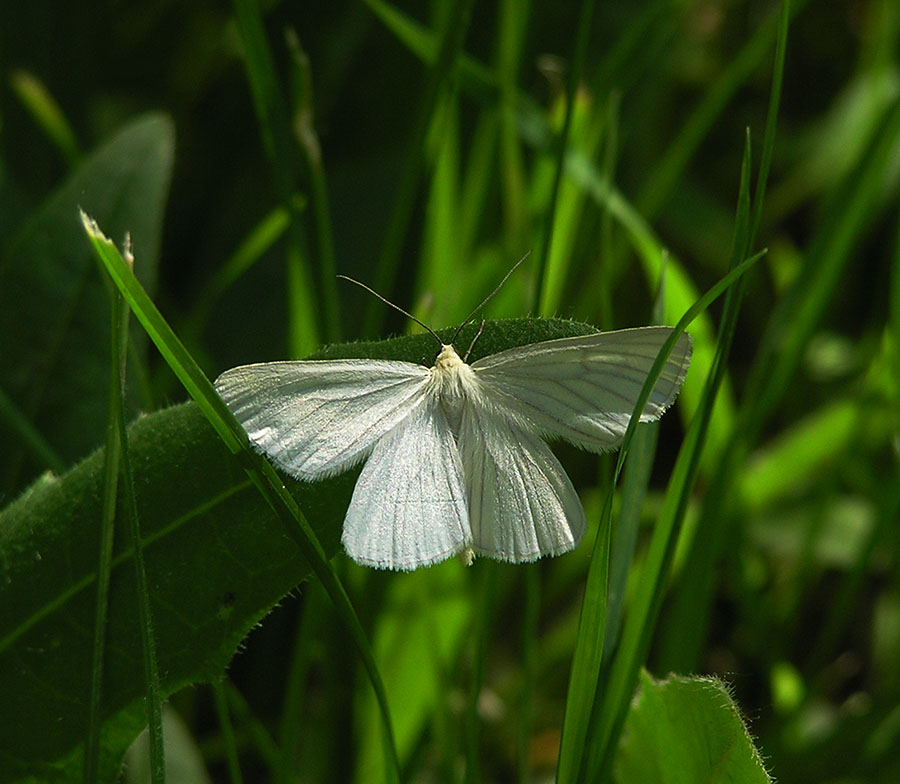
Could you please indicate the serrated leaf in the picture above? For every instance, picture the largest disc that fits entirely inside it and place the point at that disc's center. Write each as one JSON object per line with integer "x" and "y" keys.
{"x": 687, "y": 730}
{"x": 217, "y": 560}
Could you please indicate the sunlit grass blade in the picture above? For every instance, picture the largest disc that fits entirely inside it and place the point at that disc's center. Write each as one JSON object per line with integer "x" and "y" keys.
{"x": 531, "y": 611}
{"x": 587, "y": 659}
{"x": 655, "y": 572}
{"x": 258, "y": 469}
{"x": 513, "y": 28}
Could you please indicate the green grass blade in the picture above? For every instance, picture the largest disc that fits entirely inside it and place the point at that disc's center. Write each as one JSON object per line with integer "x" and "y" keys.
{"x": 513, "y": 27}
{"x": 119, "y": 324}
{"x": 484, "y": 627}
{"x": 308, "y": 141}
{"x": 662, "y": 183}
{"x": 220, "y": 697}
{"x": 583, "y": 34}
{"x": 404, "y": 202}
{"x": 587, "y": 658}
{"x": 527, "y": 696}
{"x": 277, "y": 137}
{"x": 635, "y": 481}
{"x": 768, "y": 148}
{"x": 655, "y": 573}
{"x": 30, "y": 437}
{"x": 145, "y": 619}
{"x": 260, "y": 471}
{"x": 47, "y": 114}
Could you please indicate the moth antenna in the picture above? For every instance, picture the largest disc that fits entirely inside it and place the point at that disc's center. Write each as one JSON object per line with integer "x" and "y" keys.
{"x": 472, "y": 344}
{"x": 488, "y": 297}
{"x": 395, "y": 307}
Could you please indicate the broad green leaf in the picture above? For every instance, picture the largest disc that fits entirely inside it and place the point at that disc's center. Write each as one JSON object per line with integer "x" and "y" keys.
{"x": 54, "y": 327}
{"x": 217, "y": 560}
{"x": 687, "y": 731}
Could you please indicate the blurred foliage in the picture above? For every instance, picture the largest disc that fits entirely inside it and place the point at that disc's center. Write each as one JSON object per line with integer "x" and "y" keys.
{"x": 415, "y": 145}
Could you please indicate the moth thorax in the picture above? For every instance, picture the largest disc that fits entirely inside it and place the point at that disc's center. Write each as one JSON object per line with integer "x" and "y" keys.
{"x": 452, "y": 380}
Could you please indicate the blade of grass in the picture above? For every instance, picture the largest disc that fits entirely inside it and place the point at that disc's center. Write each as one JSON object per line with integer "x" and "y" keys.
{"x": 308, "y": 141}
{"x": 28, "y": 434}
{"x": 531, "y": 612}
{"x": 259, "y": 735}
{"x": 484, "y": 626}
{"x": 260, "y": 239}
{"x": 119, "y": 333}
{"x": 604, "y": 276}
{"x": 666, "y": 175}
{"x": 544, "y": 273}
{"x": 513, "y": 25}
{"x": 145, "y": 618}
{"x": 404, "y": 201}
{"x": 47, "y": 115}
{"x": 635, "y": 481}
{"x": 290, "y": 732}
{"x": 790, "y": 328}
{"x": 275, "y": 129}
{"x": 586, "y": 661}
{"x": 441, "y": 258}
{"x": 258, "y": 469}
{"x": 681, "y": 292}
{"x": 226, "y": 729}
{"x": 655, "y": 573}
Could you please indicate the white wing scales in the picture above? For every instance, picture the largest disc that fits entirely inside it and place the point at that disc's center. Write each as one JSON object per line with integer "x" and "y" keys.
{"x": 318, "y": 418}
{"x": 409, "y": 506}
{"x": 521, "y": 502}
{"x": 427, "y": 493}
{"x": 583, "y": 389}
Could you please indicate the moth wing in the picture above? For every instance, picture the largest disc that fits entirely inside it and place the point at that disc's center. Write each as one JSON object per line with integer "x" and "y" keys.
{"x": 522, "y": 504}
{"x": 318, "y": 418}
{"x": 583, "y": 389}
{"x": 409, "y": 506}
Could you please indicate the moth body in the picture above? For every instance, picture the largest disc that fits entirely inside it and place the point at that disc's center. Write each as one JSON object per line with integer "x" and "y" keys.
{"x": 452, "y": 383}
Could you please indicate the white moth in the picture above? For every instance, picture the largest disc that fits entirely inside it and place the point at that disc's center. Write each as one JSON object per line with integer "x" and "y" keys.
{"x": 455, "y": 461}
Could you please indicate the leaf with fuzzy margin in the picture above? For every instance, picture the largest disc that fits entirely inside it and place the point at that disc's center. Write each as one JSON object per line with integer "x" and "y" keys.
{"x": 685, "y": 730}
{"x": 217, "y": 560}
